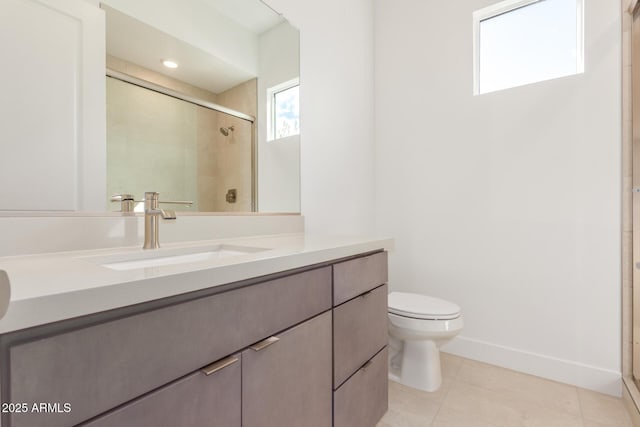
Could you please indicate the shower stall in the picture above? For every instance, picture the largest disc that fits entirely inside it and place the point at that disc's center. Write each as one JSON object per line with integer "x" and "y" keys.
{"x": 631, "y": 209}
{"x": 181, "y": 146}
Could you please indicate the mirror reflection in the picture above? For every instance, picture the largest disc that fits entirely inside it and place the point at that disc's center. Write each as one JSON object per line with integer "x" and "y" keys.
{"x": 206, "y": 113}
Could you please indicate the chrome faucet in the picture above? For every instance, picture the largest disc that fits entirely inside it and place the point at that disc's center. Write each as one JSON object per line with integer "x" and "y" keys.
{"x": 127, "y": 202}
{"x": 152, "y": 216}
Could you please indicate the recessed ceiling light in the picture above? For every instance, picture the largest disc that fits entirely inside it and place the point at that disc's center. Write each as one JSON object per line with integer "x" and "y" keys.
{"x": 169, "y": 63}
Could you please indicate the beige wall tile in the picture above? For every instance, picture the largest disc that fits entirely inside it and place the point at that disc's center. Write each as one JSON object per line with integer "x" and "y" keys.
{"x": 626, "y": 46}
{"x": 150, "y": 143}
{"x": 626, "y": 205}
{"x": 627, "y": 331}
{"x": 155, "y": 142}
{"x": 207, "y": 193}
{"x": 626, "y": 16}
{"x": 626, "y": 94}
{"x": 233, "y": 164}
{"x": 627, "y": 261}
{"x": 216, "y": 163}
{"x": 118, "y": 64}
{"x": 243, "y": 97}
{"x": 627, "y": 144}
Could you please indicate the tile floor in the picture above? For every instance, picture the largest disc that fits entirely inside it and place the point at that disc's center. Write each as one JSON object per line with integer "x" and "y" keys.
{"x": 475, "y": 394}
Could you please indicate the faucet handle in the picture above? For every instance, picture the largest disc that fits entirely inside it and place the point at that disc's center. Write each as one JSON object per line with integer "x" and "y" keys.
{"x": 167, "y": 214}
{"x": 127, "y": 201}
{"x": 121, "y": 197}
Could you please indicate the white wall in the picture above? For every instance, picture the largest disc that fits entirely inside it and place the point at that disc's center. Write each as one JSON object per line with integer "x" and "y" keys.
{"x": 336, "y": 98}
{"x": 52, "y": 141}
{"x": 506, "y": 203}
{"x": 278, "y": 161}
{"x": 46, "y": 232}
{"x": 200, "y": 24}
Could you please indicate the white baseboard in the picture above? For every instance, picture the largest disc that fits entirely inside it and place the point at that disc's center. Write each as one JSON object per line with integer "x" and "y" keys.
{"x": 561, "y": 370}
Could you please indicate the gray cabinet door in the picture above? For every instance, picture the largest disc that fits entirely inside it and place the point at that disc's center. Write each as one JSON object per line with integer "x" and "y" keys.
{"x": 288, "y": 383}
{"x": 359, "y": 331}
{"x": 363, "y": 399}
{"x": 100, "y": 367}
{"x": 210, "y": 397}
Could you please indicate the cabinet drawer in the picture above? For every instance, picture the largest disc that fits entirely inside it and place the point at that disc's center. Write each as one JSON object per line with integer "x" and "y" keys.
{"x": 354, "y": 277}
{"x": 198, "y": 400}
{"x": 363, "y": 399}
{"x": 100, "y": 367}
{"x": 288, "y": 383}
{"x": 360, "y": 330}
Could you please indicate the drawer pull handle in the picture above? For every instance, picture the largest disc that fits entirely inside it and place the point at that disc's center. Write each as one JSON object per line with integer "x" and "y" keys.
{"x": 264, "y": 343}
{"x": 219, "y": 365}
{"x": 366, "y": 294}
{"x": 366, "y": 366}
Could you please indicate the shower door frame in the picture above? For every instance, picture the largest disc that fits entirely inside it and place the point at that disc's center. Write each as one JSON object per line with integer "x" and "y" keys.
{"x": 635, "y": 88}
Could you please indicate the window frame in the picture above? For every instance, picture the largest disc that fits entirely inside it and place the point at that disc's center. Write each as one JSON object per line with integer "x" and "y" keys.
{"x": 271, "y": 106}
{"x": 507, "y": 6}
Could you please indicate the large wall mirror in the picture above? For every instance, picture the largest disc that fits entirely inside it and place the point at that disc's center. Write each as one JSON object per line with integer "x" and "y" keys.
{"x": 203, "y": 104}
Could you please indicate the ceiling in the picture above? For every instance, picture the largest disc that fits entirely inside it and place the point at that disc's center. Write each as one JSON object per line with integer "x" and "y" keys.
{"x": 144, "y": 45}
{"x": 253, "y": 15}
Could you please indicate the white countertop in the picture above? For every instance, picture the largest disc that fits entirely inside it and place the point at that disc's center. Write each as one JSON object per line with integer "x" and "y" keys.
{"x": 56, "y": 286}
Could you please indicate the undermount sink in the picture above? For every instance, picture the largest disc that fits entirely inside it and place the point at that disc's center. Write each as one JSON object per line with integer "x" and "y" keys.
{"x": 173, "y": 256}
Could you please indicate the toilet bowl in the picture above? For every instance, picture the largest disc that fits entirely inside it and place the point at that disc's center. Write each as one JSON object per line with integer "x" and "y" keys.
{"x": 418, "y": 326}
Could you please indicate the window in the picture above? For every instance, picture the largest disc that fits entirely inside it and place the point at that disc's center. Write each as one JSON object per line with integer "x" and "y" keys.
{"x": 518, "y": 42}
{"x": 284, "y": 110}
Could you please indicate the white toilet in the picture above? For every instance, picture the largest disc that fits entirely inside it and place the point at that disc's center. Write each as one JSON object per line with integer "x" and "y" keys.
{"x": 418, "y": 326}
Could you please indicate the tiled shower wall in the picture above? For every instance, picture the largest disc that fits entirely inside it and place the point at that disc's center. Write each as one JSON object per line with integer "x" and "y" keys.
{"x": 179, "y": 132}
{"x": 234, "y": 151}
{"x": 135, "y": 70}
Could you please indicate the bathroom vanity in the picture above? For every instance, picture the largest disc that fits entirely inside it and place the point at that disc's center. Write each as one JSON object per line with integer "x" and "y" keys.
{"x": 300, "y": 346}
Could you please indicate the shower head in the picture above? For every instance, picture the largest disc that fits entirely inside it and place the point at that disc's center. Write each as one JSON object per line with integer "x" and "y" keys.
{"x": 225, "y": 131}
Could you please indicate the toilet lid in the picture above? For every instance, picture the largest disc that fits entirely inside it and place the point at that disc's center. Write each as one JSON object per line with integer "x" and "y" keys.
{"x": 422, "y": 306}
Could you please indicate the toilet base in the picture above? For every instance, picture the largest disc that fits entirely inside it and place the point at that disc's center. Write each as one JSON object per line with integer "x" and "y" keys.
{"x": 420, "y": 366}
{"x": 415, "y": 349}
